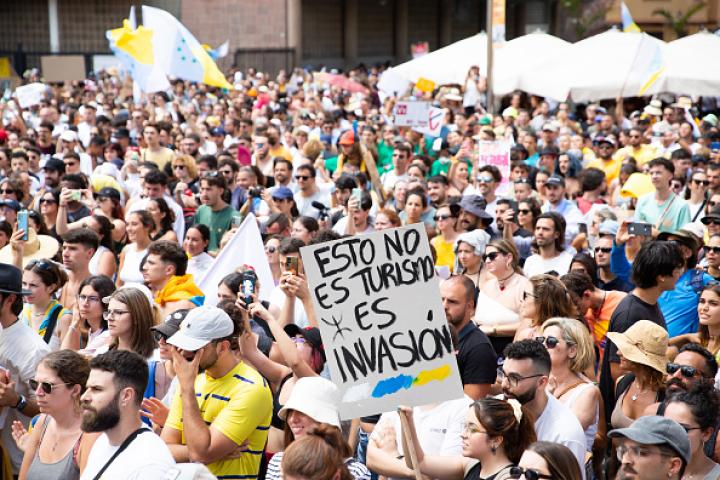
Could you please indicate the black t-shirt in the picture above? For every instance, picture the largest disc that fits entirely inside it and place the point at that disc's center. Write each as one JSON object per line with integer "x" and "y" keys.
{"x": 630, "y": 310}
{"x": 476, "y": 358}
{"x": 76, "y": 215}
{"x": 616, "y": 283}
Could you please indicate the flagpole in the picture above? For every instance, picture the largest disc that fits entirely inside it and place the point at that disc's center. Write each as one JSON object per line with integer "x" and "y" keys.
{"x": 489, "y": 83}
{"x": 627, "y": 75}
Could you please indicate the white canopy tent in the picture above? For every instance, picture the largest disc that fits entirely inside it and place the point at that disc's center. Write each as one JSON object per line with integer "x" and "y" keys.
{"x": 691, "y": 66}
{"x": 606, "y": 65}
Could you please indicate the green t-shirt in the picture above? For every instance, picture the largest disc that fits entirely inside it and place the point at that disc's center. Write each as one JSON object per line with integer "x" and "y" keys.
{"x": 384, "y": 163}
{"x": 218, "y": 222}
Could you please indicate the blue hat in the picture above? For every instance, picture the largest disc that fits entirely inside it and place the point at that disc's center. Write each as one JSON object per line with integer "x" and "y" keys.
{"x": 14, "y": 204}
{"x": 609, "y": 227}
{"x": 282, "y": 193}
{"x": 217, "y": 132}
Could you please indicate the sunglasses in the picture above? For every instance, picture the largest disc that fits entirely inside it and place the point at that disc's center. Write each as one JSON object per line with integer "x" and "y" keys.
{"x": 715, "y": 250}
{"x": 47, "y": 387}
{"x": 549, "y": 342}
{"x": 603, "y": 249}
{"x": 70, "y": 164}
{"x": 47, "y": 200}
{"x": 442, "y": 217}
{"x": 530, "y": 474}
{"x": 158, "y": 335}
{"x": 179, "y": 167}
{"x": 485, "y": 179}
{"x": 712, "y": 221}
{"x": 704, "y": 183}
{"x": 686, "y": 370}
{"x": 270, "y": 249}
{"x": 528, "y": 294}
{"x": 39, "y": 264}
{"x": 714, "y": 204}
{"x": 302, "y": 177}
{"x": 524, "y": 211}
{"x": 489, "y": 257}
{"x": 7, "y": 190}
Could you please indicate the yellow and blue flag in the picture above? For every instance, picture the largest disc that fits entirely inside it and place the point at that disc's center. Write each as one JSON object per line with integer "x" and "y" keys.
{"x": 134, "y": 48}
{"x": 628, "y": 23}
{"x": 178, "y": 52}
{"x": 217, "y": 53}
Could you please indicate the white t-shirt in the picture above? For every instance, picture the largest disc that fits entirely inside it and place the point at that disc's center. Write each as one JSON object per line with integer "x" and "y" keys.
{"x": 21, "y": 349}
{"x": 277, "y": 298}
{"x": 536, "y": 265}
{"x": 198, "y": 265}
{"x": 304, "y": 204}
{"x": 558, "y": 424}
{"x": 178, "y": 224}
{"x": 146, "y": 457}
{"x": 341, "y": 225}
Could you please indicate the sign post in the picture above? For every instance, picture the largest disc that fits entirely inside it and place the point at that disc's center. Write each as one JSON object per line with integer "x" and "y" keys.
{"x": 386, "y": 338}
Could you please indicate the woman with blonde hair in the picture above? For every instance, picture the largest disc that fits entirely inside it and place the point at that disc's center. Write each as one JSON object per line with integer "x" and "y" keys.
{"x": 186, "y": 172}
{"x": 459, "y": 178}
{"x": 572, "y": 353}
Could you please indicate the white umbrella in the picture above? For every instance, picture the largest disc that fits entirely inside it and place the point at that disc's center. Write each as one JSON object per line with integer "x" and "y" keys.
{"x": 606, "y": 65}
{"x": 447, "y": 65}
{"x": 522, "y": 56}
{"x": 691, "y": 66}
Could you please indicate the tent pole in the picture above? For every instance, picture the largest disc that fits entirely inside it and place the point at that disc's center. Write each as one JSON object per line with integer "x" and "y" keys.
{"x": 489, "y": 34}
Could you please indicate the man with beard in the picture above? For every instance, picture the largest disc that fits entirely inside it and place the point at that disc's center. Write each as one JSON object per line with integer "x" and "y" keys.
{"x": 111, "y": 405}
{"x": 473, "y": 214}
{"x": 476, "y": 357}
{"x": 524, "y": 376}
{"x": 219, "y": 417}
{"x": 550, "y": 239}
{"x": 437, "y": 190}
{"x": 652, "y": 448}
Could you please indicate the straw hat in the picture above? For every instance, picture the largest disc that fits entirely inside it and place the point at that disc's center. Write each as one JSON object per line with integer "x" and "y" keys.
{"x": 36, "y": 247}
{"x": 644, "y": 343}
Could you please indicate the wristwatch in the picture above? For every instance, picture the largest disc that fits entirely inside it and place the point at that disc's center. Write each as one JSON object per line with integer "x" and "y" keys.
{"x": 21, "y": 403}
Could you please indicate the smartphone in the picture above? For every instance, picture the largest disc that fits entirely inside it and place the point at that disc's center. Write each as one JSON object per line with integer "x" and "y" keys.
{"x": 237, "y": 221}
{"x": 357, "y": 194}
{"x": 582, "y": 228}
{"x": 291, "y": 265}
{"x": 248, "y": 286}
{"x": 75, "y": 195}
{"x": 22, "y": 223}
{"x": 642, "y": 229}
{"x": 715, "y": 146}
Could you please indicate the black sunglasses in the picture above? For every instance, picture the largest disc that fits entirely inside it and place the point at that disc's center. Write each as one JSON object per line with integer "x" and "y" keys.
{"x": 549, "y": 342}
{"x": 158, "y": 335}
{"x": 526, "y": 295}
{"x": 437, "y": 218}
{"x": 715, "y": 250}
{"x": 40, "y": 264}
{"x": 701, "y": 182}
{"x": 491, "y": 256}
{"x": 686, "y": 370}
{"x": 711, "y": 221}
{"x": 524, "y": 211}
{"x": 302, "y": 177}
{"x": 603, "y": 249}
{"x": 47, "y": 387}
{"x": 530, "y": 474}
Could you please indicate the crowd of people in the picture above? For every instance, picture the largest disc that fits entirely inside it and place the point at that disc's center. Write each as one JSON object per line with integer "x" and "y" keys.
{"x": 580, "y": 282}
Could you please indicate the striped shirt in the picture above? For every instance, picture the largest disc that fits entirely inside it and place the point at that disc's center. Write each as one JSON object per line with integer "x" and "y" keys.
{"x": 358, "y": 470}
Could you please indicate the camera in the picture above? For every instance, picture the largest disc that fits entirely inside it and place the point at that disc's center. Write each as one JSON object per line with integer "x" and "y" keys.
{"x": 255, "y": 192}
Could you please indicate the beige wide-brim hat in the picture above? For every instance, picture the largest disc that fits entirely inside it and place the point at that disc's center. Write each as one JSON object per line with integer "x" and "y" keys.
{"x": 644, "y": 343}
{"x": 36, "y": 247}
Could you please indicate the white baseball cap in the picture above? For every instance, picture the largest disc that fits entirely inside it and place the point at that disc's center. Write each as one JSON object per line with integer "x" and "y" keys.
{"x": 69, "y": 136}
{"x": 201, "y": 326}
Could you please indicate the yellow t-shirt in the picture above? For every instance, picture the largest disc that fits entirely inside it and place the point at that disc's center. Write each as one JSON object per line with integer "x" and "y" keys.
{"x": 280, "y": 151}
{"x": 444, "y": 251}
{"x": 643, "y": 154}
{"x": 611, "y": 168}
{"x": 240, "y": 406}
{"x": 159, "y": 158}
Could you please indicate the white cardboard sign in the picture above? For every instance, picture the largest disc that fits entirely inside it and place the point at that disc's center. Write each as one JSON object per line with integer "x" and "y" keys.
{"x": 385, "y": 334}
{"x": 412, "y": 114}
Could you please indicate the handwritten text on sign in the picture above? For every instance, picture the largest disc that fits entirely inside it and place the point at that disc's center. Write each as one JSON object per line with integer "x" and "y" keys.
{"x": 495, "y": 153}
{"x": 412, "y": 114}
{"x": 378, "y": 305}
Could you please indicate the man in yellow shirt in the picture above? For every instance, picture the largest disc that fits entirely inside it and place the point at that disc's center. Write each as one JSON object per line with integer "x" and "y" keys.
{"x": 155, "y": 152}
{"x": 642, "y": 152}
{"x": 277, "y": 149}
{"x": 226, "y": 409}
{"x": 604, "y": 159}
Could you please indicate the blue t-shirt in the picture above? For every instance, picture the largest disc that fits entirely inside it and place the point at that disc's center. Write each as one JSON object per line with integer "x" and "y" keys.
{"x": 679, "y": 306}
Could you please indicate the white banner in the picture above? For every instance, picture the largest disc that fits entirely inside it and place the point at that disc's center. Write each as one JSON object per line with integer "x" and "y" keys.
{"x": 412, "y": 114}
{"x": 386, "y": 337}
{"x": 244, "y": 248}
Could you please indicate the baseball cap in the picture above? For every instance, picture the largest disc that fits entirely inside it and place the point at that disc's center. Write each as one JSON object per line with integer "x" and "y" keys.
{"x": 217, "y": 132}
{"x": 8, "y": 202}
{"x": 556, "y": 181}
{"x": 69, "y": 136}
{"x": 549, "y": 127}
{"x": 282, "y": 193}
{"x": 549, "y": 150}
{"x": 310, "y": 334}
{"x": 347, "y": 138}
{"x": 609, "y": 227}
{"x": 201, "y": 326}
{"x": 172, "y": 323}
{"x": 54, "y": 164}
{"x": 109, "y": 192}
{"x": 655, "y": 430}
{"x": 603, "y": 139}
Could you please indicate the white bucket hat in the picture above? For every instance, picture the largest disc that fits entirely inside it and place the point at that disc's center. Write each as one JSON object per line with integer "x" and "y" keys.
{"x": 317, "y": 398}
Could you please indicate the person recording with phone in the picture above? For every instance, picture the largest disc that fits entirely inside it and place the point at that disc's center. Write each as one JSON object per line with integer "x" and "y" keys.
{"x": 71, "y": 207}
{"x": 357, "y": 220}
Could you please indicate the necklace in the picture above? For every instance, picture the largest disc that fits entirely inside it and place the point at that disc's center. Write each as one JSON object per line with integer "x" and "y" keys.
{"x": 637, "y": 394}
{"x": 501, "y": 283}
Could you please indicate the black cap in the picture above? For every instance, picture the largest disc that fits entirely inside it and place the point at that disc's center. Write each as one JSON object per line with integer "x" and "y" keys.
{"x": 310, "y": 334}
{"x": 11, "y": 280}
{"x": 556, "y": 181}
{"x": 549, "y": 150}
{"x": 54, "y": 164}
{"x": 109, "y": 192}
{"x": 172, "y": 322}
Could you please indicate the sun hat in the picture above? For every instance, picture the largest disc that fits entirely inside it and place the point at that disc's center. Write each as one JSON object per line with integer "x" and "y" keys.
{"x": 475, "y": 204}
{"x": 201, "y": 326}
{"x": 317, "y": 398}
{"x": 654, "y": 108}
{"x": 655, "y": 430}
{"x": 644, "y": 343}
{"x": 713, "y": 215}
{"x": 690, "y": 235}
{"x": 478, "y": 239}
{"x": 36, "y": 247}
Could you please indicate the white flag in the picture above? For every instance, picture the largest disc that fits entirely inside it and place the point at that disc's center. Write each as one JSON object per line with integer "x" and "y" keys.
{"x": 244, "y": 248}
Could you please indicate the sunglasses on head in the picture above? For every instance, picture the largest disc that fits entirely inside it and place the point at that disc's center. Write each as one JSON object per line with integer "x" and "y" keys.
{"x": 47, "y": 387}
{"x": 491, "y": 256}
{"x": 529, "y": 473}
{"x": 549, "y": 342}
{"x": 686, "y": 370}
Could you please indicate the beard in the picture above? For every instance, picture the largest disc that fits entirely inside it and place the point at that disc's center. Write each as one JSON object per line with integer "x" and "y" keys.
{"x": 101, "y": 420}
{"x": 674, "y": 386}
{"x": 523, "y": 398}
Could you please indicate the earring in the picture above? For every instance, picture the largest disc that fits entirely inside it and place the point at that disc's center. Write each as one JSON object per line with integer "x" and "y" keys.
{"x": 493, "y": 449}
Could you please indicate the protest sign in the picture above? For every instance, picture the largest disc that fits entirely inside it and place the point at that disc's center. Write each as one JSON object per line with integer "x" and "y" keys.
{"x": 62, "y": 68}
{"x": 436, "y": 119}
{"x": 495, "y": 153}
{"x": 244, "y": 248}
{"x": 384, "y": 330}
{"x": 412, "y": 114}
{"x": 31, "y": 94}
